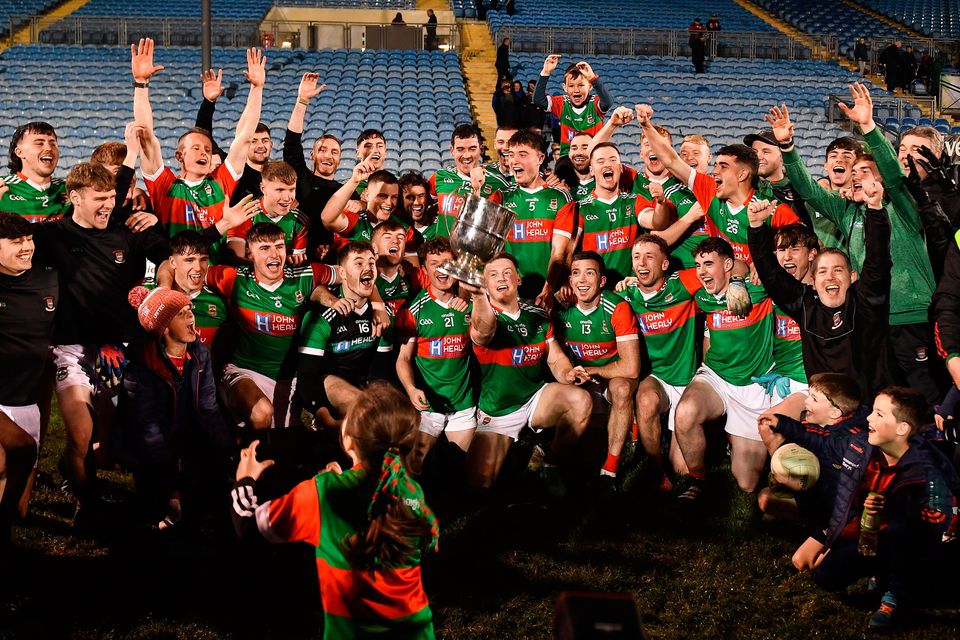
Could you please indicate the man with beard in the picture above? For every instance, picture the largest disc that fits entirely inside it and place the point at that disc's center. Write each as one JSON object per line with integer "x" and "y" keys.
{"x": 609, "y": 218}
{"x": 31, "y": 190}
{"x": 414, "y": 198}
{"x": 316, "y": 185}
{"x": 774, "y": 183}
{"x": 337, "y": 350}
{"x": 581, "y": 145}
{"x": 451, "y": 186}
{"x": 724, "y": 195}
{"x": 501, "y": 166}
{"x": 266, "y": 302}
{"x": 434, "y": 364}
{"x": 382, "y": 192}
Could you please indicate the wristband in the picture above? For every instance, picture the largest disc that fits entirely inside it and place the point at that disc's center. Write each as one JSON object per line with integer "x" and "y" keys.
{"x": 305, "y": 103}
{"x": 141, "y": 85}
{"x": 786, "y": 145}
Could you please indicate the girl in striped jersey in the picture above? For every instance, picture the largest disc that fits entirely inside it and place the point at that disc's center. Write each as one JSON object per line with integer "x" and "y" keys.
{"x": 368, "y": 550}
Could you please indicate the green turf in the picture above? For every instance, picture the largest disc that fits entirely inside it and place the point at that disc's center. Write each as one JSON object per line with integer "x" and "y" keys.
{"x": 498, "y": 572}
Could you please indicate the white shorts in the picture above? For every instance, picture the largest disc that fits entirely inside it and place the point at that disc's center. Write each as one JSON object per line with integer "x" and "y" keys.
{"x": 28, "y": 419}
{"x": 742, "y": 405}
{"x": 76, "y": 367}
{"x": 433, "y": 424}
{"x": 797, "y": 387}
{"x": 279, "y": 392}
{"x": 513, "y": 423}
{"x": 673, "y": 394}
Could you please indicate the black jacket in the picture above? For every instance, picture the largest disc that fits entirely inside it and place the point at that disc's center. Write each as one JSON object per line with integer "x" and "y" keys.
{"x": 850, "y": 339}
{"x": 313, "y": 192}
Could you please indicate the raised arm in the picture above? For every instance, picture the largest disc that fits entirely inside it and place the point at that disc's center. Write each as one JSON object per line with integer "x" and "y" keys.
{"x": 307, "y": 91}
{"x": 332, "y": 215}
{"x": 619, "y": 117}
{"x": 606, "y": 100}
{"x": 662, "y": 147}
{"x": 143, "y": 68}
{"x": 675, "y": 232}
{"x": 483, "y": 322}
{"x": 212, "y": 82}
{"x": 256, "y": 75}
{"x": 540, "y": 92}
{"x": 785, "y": 290}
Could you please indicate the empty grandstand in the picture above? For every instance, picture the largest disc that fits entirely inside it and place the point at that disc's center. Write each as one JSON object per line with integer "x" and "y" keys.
{"x": 940, "y": 18}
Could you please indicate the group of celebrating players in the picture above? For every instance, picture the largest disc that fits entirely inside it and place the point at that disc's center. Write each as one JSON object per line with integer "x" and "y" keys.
{"x": 217, "y": 306}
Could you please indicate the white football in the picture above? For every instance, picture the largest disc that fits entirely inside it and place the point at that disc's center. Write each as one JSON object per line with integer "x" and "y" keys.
{"x": 796, "y": 468}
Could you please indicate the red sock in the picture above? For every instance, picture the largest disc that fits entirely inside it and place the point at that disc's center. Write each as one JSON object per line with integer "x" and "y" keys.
{"x": 610, "y": 465}
{"x": 699, "y": 473}
{"x": 635, "y": 431}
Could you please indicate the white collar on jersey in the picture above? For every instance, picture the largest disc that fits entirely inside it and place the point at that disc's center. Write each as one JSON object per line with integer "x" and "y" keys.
{"x": 587, "y": 312}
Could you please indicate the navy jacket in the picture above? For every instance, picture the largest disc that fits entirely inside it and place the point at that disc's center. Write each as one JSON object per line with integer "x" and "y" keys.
{"x": 922, "y": 497}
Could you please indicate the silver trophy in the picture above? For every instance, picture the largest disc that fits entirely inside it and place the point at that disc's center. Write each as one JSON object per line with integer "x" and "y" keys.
{"x": 478, "y": 235}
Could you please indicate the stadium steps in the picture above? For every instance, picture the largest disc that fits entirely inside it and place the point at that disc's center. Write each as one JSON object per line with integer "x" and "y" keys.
{"x": 478, "y": 61}
{"x": 436, "y": 5}
{"x": 22, "y": 35}
{"x": 885, "y": 19}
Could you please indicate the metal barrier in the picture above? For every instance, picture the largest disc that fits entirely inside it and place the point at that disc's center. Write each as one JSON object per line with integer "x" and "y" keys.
{"x": 661, "y": 42}
{"x": 93, "y": 30}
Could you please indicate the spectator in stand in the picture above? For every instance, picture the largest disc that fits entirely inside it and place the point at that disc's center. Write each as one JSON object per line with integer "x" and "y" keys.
{"x": 431, "y": 30}
{"x": 696, "y": 27}
{"x": 713, "y": 24}
{"x": 698, "y": 51}
{"x": 861, "y": 53}
{"x": 398, "y": 19}
{"x": 908, "y": 68}
{"x": 891, "y": 60}
{"x": 505, "y": 105}
{"x": 503, "y": 60}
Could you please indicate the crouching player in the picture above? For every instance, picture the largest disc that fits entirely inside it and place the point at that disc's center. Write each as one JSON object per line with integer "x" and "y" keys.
{"x": 434, "y": 361}
{"x": 600, "y": 335}
{"x": 904, "y": 483}
{"x": 512, "y": 341}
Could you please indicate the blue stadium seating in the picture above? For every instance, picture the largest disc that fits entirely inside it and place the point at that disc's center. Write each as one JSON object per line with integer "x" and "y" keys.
{"x": 831, "y": 17}
{"x": 16, "y": 10}
{"x": 222, "y": 9}
{"x": 349, "y": 4}
{"x": 939, "y": 18}
{"x": 85, "y": 93}
{"x": 677, "y": 14}
{"x": 724, "y": 104}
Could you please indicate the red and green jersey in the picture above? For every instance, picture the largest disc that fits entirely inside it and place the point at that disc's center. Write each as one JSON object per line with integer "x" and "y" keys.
{"x": 511, "y": 363}
{"x": 451, "y": 189}
{"x": 541, "y": 213}
{"x": 683, "y": 199}
{"x": 397, "y": 290}
{"x": 666, "y": 320}
{"x": 787, "y": 350}
{"x": 740, "y": 348}
{"x": 32, "y": 201}
{"x": 573, "y": 119}
{"x": 442, "y": 362}
{"x": 360, "y": 226}
{"x": 729, "y": 221}
{"x": 585, "y": 187}
{"x": 590, "y": 336}
{"x": 493, "y": 168}
{"x": 267, "y": 318}
{"x": 323, "y": 512}
{"x": 610, "y": 228}
{"x": 294, "y": 225}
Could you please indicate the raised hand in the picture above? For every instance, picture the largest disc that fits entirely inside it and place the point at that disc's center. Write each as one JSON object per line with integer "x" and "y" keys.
{"x": 309, "y": 88}
{"x": 779, "y": 119}
{"x": 141, "y": 60}
{"x": 362, "y": 171}
{"x": 621, "y": 116}
{"x": 212, "y": 87}
{"x": 644, "y": 115}
{"x": 759, "y": 210}
{"x": 656, "y": 192}
{"x": 256, "y": 73}
{"x": 862, "y": 110}
{"x": 550, "y": 64}
{"x": 871, "y": 193}
{"x": 237, "y": 214}
{"x": 132, "y": 134}
{"x": 586, "y": 69}
{"x": 249, "y": 466}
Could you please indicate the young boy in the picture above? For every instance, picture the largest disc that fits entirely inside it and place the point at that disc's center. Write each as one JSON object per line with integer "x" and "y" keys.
{"x": 278, "y": 205}
{"x": 905, "y": 483}
{"x": 832, "y": 407}
{"x": 576, "y": 109}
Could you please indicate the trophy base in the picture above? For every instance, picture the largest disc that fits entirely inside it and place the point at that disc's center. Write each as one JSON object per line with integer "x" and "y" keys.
{"x": 465, "y": 268}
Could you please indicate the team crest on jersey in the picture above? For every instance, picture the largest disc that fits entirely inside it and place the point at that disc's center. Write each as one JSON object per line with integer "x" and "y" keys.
{"x": 211, "y": 309}
{"x": 49, "y": 304}
{"x": 553, "y": 203}
{"x": 668, "y": 297}
{"x": 299, "y": 296}
{"x": 837, "y": 320}
{"x": 119, "y": 256}
{"x": 208, "y": 190}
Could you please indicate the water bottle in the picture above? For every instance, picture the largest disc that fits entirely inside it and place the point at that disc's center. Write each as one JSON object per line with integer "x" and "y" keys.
{"x": 869, "y": 531}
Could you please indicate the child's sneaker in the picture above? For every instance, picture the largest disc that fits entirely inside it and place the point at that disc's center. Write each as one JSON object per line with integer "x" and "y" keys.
{"x": 882, "y": 619}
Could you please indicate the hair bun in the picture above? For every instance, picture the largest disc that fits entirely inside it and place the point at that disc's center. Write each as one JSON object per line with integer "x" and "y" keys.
{"x": 137, "y": 295}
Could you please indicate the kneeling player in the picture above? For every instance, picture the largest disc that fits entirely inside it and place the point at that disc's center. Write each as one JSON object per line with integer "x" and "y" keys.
{"x": 337, "y": 350}
{"x": 665, "y": 312}
{"x": 512, "y": 341}
{"x": 434, "y": 362}
{"x": 600, "y": 334}
{"x": 741, "y": 348}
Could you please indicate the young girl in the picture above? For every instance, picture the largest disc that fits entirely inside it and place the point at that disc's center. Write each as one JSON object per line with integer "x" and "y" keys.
{"x": 368, "y": 549}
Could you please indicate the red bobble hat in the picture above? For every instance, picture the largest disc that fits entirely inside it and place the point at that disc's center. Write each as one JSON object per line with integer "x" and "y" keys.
{"x": 158, "y": 307}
